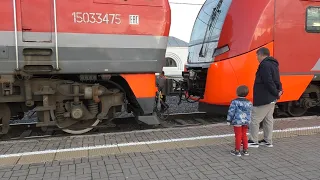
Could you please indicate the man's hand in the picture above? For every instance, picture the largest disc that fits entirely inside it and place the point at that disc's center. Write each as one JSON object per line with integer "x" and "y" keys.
{"x": 280, "y": 93}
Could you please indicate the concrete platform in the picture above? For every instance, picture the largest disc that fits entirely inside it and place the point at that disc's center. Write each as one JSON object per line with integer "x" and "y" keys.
{"x": 290, "y": 159}
{"x": 57, "y": 149}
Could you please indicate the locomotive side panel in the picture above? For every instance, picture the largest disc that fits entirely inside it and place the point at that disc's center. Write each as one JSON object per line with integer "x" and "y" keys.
{"x": 109, "y": 35}
{"x": 36, "y": 17}
{"x": 7, "y": 52}
{"x": 143, "y": 93}
{"x": 28, "y": 24}
{"x": 115, "y": 38}
{"x": 293, "y": 19}
{"x": 296, "y": 42}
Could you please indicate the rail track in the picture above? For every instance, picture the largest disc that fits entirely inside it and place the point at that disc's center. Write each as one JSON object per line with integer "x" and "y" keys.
{"x": 20, "y": 131}
{"x": 29, "y": 131}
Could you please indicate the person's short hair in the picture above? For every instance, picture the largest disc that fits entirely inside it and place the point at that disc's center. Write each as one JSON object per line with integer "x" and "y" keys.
{"x": 263, "y": 51}
{"x": 162, "y": 72}
{"x": 242, "y": 91}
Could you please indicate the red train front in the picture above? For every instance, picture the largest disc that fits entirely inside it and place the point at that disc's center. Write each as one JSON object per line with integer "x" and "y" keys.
{"x": 222, "y": 51}
{"x": 77, "y": 62}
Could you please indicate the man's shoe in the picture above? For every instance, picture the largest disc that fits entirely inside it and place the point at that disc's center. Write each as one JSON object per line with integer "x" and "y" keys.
{"x": 265, "y": 143}
{"x": 253, "y": 145}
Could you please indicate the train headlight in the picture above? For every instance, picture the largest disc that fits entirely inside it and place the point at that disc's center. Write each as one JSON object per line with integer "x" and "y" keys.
{"x": 221, "y": 50}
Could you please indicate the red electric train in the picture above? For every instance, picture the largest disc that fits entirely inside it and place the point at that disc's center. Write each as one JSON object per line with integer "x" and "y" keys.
{"x": 223, "y": 44}
{"x": 77, "y": 62}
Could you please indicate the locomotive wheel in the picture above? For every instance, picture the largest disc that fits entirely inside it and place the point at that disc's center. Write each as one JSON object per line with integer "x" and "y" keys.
{"x": 295, "y": 110}
{"x": 5, "y": 115}
{"x": 81, "y": 127}
{"x": 76, "y": 126}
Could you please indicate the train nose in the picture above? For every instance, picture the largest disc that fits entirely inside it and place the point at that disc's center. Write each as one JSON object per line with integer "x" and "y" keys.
{"x": 221, "y": 83}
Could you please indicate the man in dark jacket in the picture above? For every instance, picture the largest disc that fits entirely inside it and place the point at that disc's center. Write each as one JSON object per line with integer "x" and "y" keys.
{"x": 267, "y": 90}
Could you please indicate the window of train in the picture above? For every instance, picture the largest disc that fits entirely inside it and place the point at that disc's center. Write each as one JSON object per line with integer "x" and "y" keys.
{"x": 206, "y": 30}
{"x": 170, "y": 63}
{"x": 313, "y": 20}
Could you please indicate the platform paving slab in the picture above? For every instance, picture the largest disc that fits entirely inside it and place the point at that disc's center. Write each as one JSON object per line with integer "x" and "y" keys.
{"x": 147, "y": 146}
{"x": 294, "y": 158}
{"x": 12, "y": 147}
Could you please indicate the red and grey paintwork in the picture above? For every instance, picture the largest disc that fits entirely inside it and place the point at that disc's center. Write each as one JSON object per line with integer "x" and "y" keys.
{"x": 80, "y": 38}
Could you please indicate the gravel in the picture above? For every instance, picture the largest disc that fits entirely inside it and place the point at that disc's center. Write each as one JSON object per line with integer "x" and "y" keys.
{"x": 184, "y": 107}
{"x": 172, "y": 101}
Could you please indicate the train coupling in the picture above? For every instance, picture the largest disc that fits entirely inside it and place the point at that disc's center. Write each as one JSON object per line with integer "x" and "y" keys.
{"x": 192, "y": 86}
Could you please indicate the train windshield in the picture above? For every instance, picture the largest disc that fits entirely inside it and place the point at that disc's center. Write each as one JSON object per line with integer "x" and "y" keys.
{"x": 206, "y": 31}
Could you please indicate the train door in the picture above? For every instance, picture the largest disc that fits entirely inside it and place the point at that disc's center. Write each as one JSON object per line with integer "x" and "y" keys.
{"x": 36, "y": 20}
{"x": 296, "y": 35}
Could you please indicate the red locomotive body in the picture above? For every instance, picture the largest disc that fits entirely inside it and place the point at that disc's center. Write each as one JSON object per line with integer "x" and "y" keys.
{"x": 79, "y": 61}
{"x": 226, "y": 35}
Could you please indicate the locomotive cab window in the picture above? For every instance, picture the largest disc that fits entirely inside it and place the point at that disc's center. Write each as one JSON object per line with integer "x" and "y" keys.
{"x": 313, "y": 20}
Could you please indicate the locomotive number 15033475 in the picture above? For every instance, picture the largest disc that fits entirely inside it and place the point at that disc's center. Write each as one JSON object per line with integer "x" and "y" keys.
{"x": 85, "y": 17}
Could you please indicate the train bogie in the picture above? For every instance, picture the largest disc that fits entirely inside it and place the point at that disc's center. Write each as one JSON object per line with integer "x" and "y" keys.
{"x": 226, "y": 51}
{"x": 77, "y": 63}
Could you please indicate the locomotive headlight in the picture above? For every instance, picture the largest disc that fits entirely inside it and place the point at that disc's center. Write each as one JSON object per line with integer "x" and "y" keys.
{"x": 316, "y": 24}
{"x": 221, "y": 50}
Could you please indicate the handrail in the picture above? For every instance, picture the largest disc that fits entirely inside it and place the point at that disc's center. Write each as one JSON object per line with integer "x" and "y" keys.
{"x": 56, "y": 32}
{"x": 15, "y": 33}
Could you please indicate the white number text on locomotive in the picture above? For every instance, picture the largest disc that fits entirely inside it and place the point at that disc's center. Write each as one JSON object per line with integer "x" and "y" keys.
{"x": 99, "y": 18}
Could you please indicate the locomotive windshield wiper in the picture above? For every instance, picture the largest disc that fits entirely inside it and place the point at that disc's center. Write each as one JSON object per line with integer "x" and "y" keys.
{"x": 212, "y": 21}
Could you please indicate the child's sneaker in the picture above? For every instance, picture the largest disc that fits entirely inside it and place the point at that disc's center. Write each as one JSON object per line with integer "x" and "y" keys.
{"x": 235, "y": 153}
{"x": 265, "y": 143}
{"x": 245, "y": 152}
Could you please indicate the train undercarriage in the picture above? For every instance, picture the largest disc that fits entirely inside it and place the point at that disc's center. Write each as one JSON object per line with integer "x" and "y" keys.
{"x": 309, "y": 99}
{"x": 193, "y": 89}
{"x": 73, "y": 103}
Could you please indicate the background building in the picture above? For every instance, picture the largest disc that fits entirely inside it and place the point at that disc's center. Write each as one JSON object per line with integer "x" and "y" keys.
{"x": 176, "y": 57}
{"x": 183, "y": 15}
